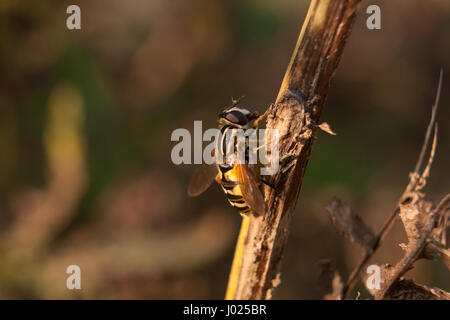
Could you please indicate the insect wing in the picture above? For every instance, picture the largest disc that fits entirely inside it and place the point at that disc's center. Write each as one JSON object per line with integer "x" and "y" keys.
{"x": 202, "y": 178}
{"x": 250, "y": 190}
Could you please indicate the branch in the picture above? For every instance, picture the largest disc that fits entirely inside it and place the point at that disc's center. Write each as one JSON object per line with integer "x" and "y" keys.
{"x": 416, "y": 183}
{"x": 296, "y": 112}
{"x": 415, "y": 250}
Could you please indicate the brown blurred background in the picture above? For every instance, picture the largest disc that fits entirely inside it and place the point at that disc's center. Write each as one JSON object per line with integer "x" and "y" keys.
{"x": 85, "y": 123}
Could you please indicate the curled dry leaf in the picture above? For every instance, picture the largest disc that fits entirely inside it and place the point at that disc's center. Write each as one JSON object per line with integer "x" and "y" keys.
{"x": 416, "y": 246}
{"x": 350, "y": 225}
{"x": 325, "y": 127}
{"x": 413, "y": 216}
{"x": 409, "y": 290}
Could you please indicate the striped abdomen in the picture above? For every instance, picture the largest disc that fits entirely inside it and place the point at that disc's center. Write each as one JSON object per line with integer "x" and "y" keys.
{"x": 230, "y": 185}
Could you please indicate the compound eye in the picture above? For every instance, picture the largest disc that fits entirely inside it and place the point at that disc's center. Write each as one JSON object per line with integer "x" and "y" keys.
{"x": 236, "y": 117}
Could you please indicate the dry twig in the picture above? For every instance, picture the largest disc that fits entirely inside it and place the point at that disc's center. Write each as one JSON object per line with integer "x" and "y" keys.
{"x": 418, "y": 238}
{"x": 411, "y": 192}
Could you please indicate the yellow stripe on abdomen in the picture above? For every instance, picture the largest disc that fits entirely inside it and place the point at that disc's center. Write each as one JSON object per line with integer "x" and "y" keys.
{"x": 228, "y": 181}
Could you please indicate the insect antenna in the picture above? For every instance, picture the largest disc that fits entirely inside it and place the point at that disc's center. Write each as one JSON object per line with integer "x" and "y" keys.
{"x": 234, "y": 102}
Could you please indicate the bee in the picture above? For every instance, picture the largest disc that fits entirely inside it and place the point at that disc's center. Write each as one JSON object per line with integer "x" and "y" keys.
{"x": 238, "y": 181}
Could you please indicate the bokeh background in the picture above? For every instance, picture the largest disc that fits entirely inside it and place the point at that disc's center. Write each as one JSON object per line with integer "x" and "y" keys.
{"x": 85, "y": 124}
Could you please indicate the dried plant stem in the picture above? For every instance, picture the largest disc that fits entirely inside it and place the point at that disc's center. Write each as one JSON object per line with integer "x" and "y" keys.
{"x": 413, "y": 251}
{"x": 295, "y": 114}
{"x": 415, "y": 182}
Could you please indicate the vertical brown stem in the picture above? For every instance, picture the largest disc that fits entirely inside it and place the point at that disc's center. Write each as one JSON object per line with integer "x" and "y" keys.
{"x": 295, "y": 114}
